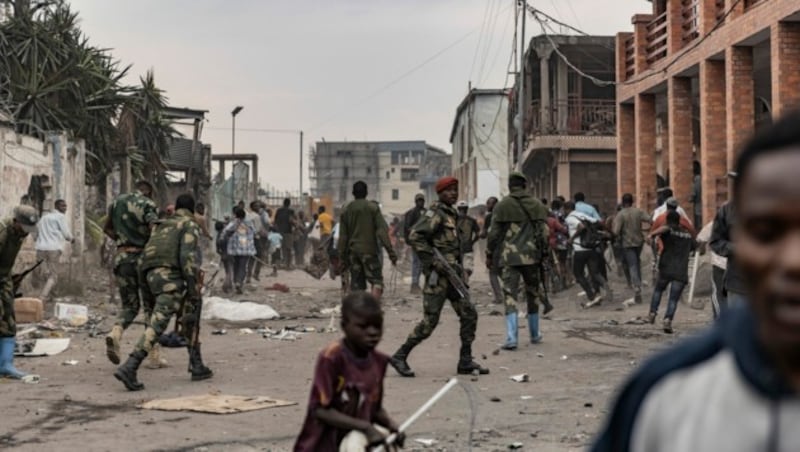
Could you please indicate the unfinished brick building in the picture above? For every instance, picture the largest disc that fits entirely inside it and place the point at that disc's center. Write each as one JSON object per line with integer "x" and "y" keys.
{"x": 696, "y": 79}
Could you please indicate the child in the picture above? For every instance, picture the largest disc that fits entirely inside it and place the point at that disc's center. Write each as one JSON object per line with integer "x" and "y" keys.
{"x": 347, "y": 391}
{"x": 673, "y": 266}
{"x": 275, "y": 239}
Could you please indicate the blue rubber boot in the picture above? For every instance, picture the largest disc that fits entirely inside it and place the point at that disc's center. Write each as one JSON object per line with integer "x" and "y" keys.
{"x": 7, "y": 358}
{"x": 533, "y": 326}
{"x": 511, "y": 332}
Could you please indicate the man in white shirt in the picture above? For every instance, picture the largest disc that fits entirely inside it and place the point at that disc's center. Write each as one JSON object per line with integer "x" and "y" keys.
{"x": 52, "y": 233}
{"x": 584, "y": 257}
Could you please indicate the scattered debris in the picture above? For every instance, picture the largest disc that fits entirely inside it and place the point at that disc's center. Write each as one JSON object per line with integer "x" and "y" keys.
{"x": 588, "y": 405}
{"x": 540, "y": 354}
{"x": 337, "y": 310}
{"x": 496, "y": 352}
{"x": 526, "y": 397}
{"x": 70, "y": 362}
{"x": 31, "y": 379}
{"x": 495, "y": 312}
{"x": 564, "y": 357}
{"x": 636, "y": 321}
{"x": 75, "y": 314}
{"x": 521, "y": 378}
{"x": 28, "y": 310}
{"x": 42, "y": 347}
{"x": 427, "y": 442}
{"x": 223, "y": 309}
{"x": 611, "y": 322}
{"x": 215, "y": 403}
{"x": 495, "y": 399}
{"x": 244, "y": 331}
{"x": 278, "y": 287}
{"x": 221, "y": 332}
{"x": 515, "y": 445}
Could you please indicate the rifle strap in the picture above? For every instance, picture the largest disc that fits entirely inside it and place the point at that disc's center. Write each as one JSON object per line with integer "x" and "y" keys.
{"x": 533, "y": 225}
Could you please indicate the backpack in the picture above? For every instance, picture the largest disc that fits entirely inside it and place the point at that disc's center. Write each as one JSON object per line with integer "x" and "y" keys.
{"x": 591, "y": 235}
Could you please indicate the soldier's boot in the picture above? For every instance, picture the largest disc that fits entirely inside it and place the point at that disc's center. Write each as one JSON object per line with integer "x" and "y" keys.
{"x": 398, "y": 361}
{"x": 533, "y": 326}
{"x": 547, "y": 306}
{"x": 198, "y": 370}
{"x": 7, "y": 368}
{"x": 126, "y": 373}
{"x": 112, "y": 344}
{"x": 377, "y": 292}
{"x": 512, "y": 329}
{"x": 466, "y": 365}
{"x": 155, "y": 360}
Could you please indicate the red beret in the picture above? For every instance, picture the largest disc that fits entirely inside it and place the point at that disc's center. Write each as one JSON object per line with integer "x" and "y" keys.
{"x": 445, "y": 183}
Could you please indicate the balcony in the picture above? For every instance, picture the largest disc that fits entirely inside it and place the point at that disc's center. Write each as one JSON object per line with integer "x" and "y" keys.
{"x": 656, "y": 47}
{"x": 630, "y": 51}
{"x": 573, "y": 117}
{"x": 690, "y": 19}
{"x": 750, "y": 3}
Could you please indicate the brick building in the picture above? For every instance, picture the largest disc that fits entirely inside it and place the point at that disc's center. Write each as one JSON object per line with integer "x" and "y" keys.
{"x": 570, "y": 123}
{"x": 696, "y": 79}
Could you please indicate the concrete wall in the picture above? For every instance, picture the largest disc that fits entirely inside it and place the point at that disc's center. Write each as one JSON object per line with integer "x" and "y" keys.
{"x": 64, "y": 164}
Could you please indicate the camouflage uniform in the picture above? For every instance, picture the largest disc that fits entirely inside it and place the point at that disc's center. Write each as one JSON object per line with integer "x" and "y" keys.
{"x": 10, "y": 243}
{"x": 170, "y": 269}
{"x": 361, "y": 229}
{"x": 520, "y": 244}
{"x": 437, "y": 229}
{"x": 131, "y": 215}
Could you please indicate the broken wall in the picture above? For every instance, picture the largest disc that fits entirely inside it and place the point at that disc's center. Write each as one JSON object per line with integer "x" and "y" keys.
{"x": 38, "y": 172}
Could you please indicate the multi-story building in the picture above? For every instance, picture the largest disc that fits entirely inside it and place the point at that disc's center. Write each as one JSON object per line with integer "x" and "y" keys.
{"x": 480, "y": 145}
{"x": 696, "y": 78}
{"x": 393, "y": 170}
{"x": 570, "y": 143}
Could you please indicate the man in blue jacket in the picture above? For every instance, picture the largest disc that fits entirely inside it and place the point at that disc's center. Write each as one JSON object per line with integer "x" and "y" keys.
{"x": 734, "y": 388}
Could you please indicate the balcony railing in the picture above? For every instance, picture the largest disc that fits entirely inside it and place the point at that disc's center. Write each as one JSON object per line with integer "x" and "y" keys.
{"x": 656, "y": 47}
{"x": 750, "y": 3}
{"x": 573, "y": 117}
{"x": 690, "y": 15}
{"x": 630, "y": 51}
{"x": 720, "y": 9}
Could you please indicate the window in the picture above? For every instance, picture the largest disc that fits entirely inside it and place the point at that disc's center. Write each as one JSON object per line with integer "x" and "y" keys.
{"x": 409, "y": 174}
{"x": 369, "y": 170}
{"x": 393, "y": 169}
{"x": 388, "y": 174}
{"x": 346, "y": 172}
{"x": 395, "y": 194}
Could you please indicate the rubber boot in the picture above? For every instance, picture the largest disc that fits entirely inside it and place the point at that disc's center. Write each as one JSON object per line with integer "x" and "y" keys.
{"x": 126, "y": 373}
{"x": 112, "y": 344}
{"x": 512, "y": 329}
{"x": 398, "y": 361}
{"x": 198, "y": 370}
{"x": 7, "y": 368}
{"x": 154, "y": 359}
{"x": 533, "y": 326}
{"x": 466, "y": 365}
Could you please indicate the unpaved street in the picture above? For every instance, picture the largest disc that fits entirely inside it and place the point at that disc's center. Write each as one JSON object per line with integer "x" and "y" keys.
{"x": 585, "y": 355}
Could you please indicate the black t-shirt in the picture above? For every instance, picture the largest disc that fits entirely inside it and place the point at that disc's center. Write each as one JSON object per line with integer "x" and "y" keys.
{"x": 674, "y": 261}
{"x": 283, "y": 220}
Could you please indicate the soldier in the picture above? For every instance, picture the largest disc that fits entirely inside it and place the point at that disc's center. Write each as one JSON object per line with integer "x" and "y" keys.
{"x": 12, "y": 233}
{"x": 130, "y": 219}
{"x": 468, "y": 234}
{"x": 409, "y": 220}
{"x": 437, "y": 229}
{"x": 361, "y": 226}
{"x": 519, "y": 233}
{"x": 170, "y": 268}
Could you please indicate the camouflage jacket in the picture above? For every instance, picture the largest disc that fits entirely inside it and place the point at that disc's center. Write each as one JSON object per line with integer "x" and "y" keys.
{"x": 361, "y": 228}
{"x": 437, "y": 229}
{"x": 468, "y": 231}
{"x": 10, "y": 243}
{"x": 513, "y": 235}
{"x": 131, "y": 216}
{"x": 173, "y": 245}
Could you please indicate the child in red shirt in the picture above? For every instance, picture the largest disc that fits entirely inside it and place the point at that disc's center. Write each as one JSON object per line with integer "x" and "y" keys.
{"x": 347, "y": 391}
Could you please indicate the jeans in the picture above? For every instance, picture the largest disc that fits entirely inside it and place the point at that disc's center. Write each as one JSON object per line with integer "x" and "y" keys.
{"x": 675, "y": 291}
{"x": 736, "y": 299}
{"x": 416, "y": 268}
{"x": 719, "y": 302}
{"x": 580, "y": 261}
{"x": 239, "y": 269}
{"x": 632, "y": 257}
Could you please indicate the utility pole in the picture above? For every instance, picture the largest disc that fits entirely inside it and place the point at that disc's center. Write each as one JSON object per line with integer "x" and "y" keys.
{"x": 301, "y": 164}
{"x": 521, "y": 88}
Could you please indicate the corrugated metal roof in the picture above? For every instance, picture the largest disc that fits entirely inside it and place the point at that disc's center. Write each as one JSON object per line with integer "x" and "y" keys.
{"x": 179, "y": 155}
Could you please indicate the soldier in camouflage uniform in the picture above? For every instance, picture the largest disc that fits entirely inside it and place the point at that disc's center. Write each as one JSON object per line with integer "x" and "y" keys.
{"x": 437, "y": 229}
{"x": 361, "y": 227}
{"x": 519, "y": 233}
{"x": 130, "y": 219}
{"x": 12, "y": 233}
{"x": 169, "y": 264}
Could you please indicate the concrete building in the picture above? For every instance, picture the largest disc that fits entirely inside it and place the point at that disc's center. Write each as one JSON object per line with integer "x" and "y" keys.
{"x": 480, "y": 145}
{"x": 392, "y": 170}
{"x": 697, "y": 77}
{"x": 570, "y": 142}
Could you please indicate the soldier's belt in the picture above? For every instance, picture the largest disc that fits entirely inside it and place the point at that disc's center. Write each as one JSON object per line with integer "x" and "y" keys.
{"x": 130, "y": 249}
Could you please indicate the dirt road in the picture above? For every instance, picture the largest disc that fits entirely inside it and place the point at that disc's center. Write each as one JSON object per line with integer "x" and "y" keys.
{"x": 585, "y": 355}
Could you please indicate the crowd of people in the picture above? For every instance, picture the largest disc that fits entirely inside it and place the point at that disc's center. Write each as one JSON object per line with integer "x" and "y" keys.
{"x": 745, "y": 367}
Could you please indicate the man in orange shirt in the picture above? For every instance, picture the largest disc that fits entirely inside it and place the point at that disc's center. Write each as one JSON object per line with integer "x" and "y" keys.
{"x": 325, "y": 224}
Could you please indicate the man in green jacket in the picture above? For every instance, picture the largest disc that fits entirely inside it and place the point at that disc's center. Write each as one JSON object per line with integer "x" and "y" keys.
{"x": 12, "y": 233}
{"x": 361, "y": 227}
{"x": 519, "y": 234}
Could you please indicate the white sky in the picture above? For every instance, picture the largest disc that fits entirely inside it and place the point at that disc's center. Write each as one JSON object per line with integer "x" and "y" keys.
{"x": 320, "y": 65}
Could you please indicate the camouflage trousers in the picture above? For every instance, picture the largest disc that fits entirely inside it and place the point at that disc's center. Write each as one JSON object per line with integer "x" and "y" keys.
{"x": 169, "y": 290}
{"x": 433, "y": 300}
{"x": 129, "y": 282}
{"x": 365, "y": 269}
{"x": 529, "y": 274}
{"x": 8, "y": 323}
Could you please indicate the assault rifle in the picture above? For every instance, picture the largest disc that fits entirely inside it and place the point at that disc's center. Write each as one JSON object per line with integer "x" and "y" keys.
{"x": 450, "y": 273}
{"x": 17, "y": 279}
{"x": 190, "y": 323}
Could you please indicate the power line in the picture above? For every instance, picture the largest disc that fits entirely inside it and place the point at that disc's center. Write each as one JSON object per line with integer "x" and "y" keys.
{"x": 240, "y": 129}
{"x": 488, "y": 46}
{"x": 500, "y": 46}
{"x": 480, "y": 38}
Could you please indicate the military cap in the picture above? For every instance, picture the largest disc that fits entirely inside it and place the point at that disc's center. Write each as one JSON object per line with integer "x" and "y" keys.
{"x": 517, "y": 175}
{"x": 26, "y": 217}
{"x": 445, "y": 183}
{"x": 419, "y": 196}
